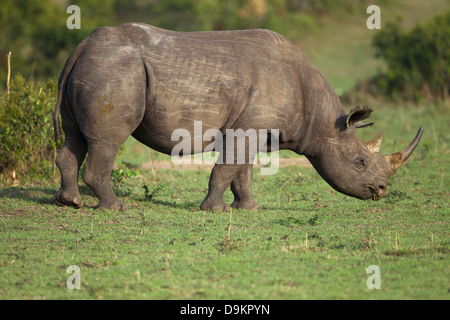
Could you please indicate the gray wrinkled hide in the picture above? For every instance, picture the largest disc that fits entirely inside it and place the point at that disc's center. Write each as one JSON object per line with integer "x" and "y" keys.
{"x": 140, "y": 80}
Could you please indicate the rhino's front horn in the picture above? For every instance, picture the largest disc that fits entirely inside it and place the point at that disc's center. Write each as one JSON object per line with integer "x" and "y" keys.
{"x": 398, "y": 158}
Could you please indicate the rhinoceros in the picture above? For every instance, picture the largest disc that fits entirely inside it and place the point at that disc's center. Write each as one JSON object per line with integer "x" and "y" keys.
{"x": 139, "y": 80}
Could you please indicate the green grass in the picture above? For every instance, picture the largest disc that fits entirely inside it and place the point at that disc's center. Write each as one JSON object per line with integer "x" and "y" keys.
{"x": 308, "y": 242}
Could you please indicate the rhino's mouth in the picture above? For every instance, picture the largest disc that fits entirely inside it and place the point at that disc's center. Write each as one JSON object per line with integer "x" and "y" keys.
{"x": 377, "y": 192}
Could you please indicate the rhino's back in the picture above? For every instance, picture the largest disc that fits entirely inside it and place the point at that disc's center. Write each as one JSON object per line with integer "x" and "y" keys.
{"x": 238, "y": 45}
{"x": 214, "y": 75}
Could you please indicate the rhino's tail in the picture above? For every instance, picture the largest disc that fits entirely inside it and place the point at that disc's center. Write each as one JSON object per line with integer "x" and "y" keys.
{"x": 62, "y": 82}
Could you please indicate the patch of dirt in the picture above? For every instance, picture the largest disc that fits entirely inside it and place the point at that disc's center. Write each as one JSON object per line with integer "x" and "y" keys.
{"x": 157, "y": 165}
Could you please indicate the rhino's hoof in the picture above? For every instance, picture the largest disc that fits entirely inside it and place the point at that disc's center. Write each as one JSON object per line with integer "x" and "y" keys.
{"x": 69, "y": 199}
{"x": 246, "y": 205}
{"x": 213, "y": 206}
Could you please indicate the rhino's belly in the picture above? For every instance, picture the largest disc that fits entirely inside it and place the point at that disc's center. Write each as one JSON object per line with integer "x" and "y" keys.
{"x": 188, "y": 106}
{"x": 196, "y": 111}
{"x": 194, "y": 135}
{"x": 171, "y": 118}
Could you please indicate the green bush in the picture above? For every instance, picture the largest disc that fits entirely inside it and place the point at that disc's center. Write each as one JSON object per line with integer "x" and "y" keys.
{"x": 27, "y": 143}
{"x": 37, "y": 35}
{"x": 417, "y": 61}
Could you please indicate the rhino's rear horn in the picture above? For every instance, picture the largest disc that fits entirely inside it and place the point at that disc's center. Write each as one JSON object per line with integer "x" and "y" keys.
{"x": 374, "y": 144}
{"x": 398, "y": 158}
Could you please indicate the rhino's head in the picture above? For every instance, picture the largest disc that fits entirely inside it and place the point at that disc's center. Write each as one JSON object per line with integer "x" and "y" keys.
{"x": 353, "y": 167}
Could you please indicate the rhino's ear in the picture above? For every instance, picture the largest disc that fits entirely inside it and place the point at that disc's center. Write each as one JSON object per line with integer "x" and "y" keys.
{"x": 356, "y": 116}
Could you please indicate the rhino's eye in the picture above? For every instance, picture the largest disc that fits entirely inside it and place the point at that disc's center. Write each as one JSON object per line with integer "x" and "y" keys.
{"x": 359, "y": 163}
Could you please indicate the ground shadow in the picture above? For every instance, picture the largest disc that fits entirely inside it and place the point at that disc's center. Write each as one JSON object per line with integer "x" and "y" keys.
{"x": 30, "y": 193}
{"x": 46, "y": 196}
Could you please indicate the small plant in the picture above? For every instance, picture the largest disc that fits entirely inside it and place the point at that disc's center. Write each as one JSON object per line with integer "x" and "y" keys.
{"x": 313, "y": 221}
{"x": 149, "y": 194}
{"x": 292, "y": 221}
{"x": 123, "y": 173}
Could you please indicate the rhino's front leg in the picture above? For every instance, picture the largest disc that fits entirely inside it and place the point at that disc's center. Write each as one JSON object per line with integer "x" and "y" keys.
{"x": 219, "y": 181}
{"x": 241, "y": 186}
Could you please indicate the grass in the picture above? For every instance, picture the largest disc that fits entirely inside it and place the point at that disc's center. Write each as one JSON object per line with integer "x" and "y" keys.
{"x": 308, "y": 242}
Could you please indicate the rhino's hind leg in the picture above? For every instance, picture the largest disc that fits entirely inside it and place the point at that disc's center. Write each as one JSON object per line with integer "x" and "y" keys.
{"x": 97, "y": 174}
{"x": 69, "y": 161}
{"x": 241, "y": 186}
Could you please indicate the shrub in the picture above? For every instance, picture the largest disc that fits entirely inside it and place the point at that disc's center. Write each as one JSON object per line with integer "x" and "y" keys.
{"x": 123, "y": 173}
{"x": 27, "y": 143}
{"x": 417, "y": 61}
